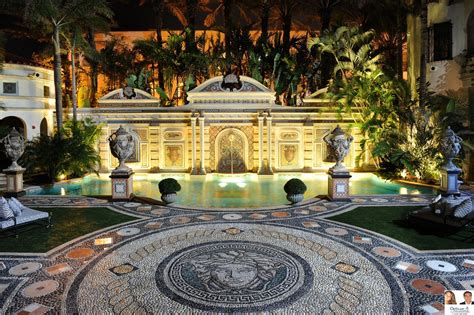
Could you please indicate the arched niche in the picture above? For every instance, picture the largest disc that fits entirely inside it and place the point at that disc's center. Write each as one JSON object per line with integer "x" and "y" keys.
{"x": 44, "y": 127}
{"x": 231, "y": 151}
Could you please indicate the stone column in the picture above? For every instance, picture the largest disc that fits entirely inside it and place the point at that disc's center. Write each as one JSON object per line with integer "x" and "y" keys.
{"x": 202, "y": 169}
{"x": 269, "y": 140}
{"x": 260, "y": 145}
{"x": 14, "y": 182}
{"x": 193, "y": 127}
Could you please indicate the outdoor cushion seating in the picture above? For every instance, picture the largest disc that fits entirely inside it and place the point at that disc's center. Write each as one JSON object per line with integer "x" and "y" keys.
{"x": 454, "y": 212}
{"x": 21, "y": 214}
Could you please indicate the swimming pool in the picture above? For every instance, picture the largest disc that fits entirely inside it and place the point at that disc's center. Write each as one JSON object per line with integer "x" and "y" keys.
{"x": 230, "y": 191}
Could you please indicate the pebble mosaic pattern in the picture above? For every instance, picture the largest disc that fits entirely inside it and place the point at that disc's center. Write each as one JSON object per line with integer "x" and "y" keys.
{"x": 284, "y": 260}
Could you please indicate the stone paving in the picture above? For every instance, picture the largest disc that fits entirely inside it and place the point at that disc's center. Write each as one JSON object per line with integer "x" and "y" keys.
{"x": 284, "y": 260}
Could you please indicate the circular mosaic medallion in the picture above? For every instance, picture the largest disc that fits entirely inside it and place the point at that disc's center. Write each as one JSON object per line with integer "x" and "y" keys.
{"x": 128, "y": 231}
{"x": 440, "y": 265}
{"x": 336, "y": 231}
{"x": 24, "y": 268}
{"x": 386, "y": 252}
{"x": 317, "y": 208}
{"x": 180, "y": 220}
{"x": 40, "y": 288}
{"x": 132, "y": 204}
{"x": 232, "y": 216}
{"x": 428, "y": 286}
{"x": 159, "y": 211}
{"x": 234, "y": 276}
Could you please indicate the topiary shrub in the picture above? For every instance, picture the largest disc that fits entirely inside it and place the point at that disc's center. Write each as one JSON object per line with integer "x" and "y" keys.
{"x": 169, "y": 186}
{"x": 294, "y": 187}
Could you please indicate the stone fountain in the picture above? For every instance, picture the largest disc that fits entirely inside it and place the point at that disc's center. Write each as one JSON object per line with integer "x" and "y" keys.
{"x": 450, "y": 146}
{"x": 122, "y": 147}
{"x": 14, "y": 144}
{"x": 339, "y": 144}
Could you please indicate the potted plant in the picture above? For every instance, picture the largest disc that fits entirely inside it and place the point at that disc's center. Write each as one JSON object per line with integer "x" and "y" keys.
{"x": 168, "y": 188}
{"x": 295, "y": 190}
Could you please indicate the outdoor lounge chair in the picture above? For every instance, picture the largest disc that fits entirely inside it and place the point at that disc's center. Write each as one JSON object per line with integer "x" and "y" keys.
{"x": 443, "y": 213}
{"x": 26, "y": 216}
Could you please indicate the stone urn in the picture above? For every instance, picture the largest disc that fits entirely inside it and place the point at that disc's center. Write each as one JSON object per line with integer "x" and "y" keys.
{"x": 14, "y": 147}
{"x": 295, "y": 190}
{"x": 294, "y": 198}
{"x": 450, "y": 146}
{"x": 339, "y": 144}
{"x": 169, "y": 198}
{"x": 122, "y": 147}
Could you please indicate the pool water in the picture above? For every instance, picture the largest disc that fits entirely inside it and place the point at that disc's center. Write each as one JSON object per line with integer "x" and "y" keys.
{"x": 230, "y": 191}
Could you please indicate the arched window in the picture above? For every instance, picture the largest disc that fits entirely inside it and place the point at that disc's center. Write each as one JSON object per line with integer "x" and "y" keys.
{"x": 44, "y": 127}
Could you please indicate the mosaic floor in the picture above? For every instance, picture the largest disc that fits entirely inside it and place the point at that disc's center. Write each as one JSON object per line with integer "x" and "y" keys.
{"x": 286, "y": 260}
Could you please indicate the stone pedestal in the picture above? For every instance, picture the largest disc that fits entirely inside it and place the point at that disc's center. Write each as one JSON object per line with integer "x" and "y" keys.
{"x": 122, "y": 184}
{"x": 14, "y": 182}
{"x": 449, "y": 181}
{"x": 338, "y": 185}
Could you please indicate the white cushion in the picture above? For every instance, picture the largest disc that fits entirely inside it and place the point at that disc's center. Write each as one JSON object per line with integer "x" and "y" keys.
{"x": 436, "y": 199}
{"x": 28, "y": 215}
{"x": 18, "y": 203}
{"x": 16, "y": 210}
{"x": 5, "y": 211}
{"x": 463, "y": 209}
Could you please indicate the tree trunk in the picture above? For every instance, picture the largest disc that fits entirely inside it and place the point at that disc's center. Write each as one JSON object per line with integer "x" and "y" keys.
{"x": 94, "y": 69}
{"x": 287, "y": 18}
{"x": 74, "y": 83}
{"x": 264, "y": 20}
{"x": 399, "y": 51}
{"x": 228, "y": 25}
{"x": 57, "y": 79}
{"x": 327, "y": 63}
{"x": 424, "y": 55}
{"x": 158, "y": 8}
{"x": 191, "y": 11}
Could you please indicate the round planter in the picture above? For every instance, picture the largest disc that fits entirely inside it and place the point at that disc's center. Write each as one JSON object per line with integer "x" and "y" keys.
{"x": 295, "y": 198}
{"x": 169, "y": 198}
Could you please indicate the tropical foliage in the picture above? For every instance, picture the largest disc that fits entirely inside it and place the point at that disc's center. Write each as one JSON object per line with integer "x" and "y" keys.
{"x": 53, "y": 16}
{"x": 71, "y": 153}
{"x": 400, "y": 133}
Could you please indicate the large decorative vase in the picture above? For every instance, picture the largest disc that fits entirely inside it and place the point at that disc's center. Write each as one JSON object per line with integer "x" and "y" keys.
{"x": 169, "y": 198}
{"x": 339, "y": 144}
{"x": 122, "y": 146}
{"x": 450, "y": 146}
{"x": 14, "y": 144}
{"x": 294, "y": 198}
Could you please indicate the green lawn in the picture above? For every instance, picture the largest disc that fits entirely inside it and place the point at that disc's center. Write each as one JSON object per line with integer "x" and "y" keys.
{"x": 390, "y": 221}
{"x": 68, "y": 223}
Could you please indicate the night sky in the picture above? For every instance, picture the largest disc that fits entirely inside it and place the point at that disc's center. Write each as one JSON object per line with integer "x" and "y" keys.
{"x": 21, "y": 42}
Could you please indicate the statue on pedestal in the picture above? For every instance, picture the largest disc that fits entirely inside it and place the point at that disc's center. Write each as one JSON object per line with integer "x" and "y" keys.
{"x": 122, "y": 147}
{"x": 339, "y": 144}
{"x": 14, "y": 147}
{"x": 450, "y": 146}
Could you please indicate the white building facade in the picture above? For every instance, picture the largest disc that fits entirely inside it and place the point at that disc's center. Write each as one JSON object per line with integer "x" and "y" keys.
{"x": 27, "y": 98}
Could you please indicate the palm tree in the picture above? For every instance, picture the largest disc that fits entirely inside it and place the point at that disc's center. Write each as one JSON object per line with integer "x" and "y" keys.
{"x": 53, "y": 16}
{"x": 350, "y": 48}
{"x": 227, "y": 8}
